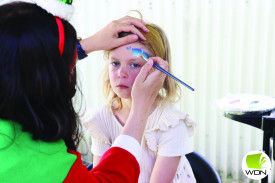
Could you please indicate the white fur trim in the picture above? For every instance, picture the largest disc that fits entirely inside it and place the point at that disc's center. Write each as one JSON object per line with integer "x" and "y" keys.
{"x": 54, "y": 7}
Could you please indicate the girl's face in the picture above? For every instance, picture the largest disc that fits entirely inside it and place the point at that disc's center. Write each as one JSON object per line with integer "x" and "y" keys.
{"x": 124, "y": 68}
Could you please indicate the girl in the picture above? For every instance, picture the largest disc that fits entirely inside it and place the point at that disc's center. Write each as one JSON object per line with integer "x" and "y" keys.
{"x": 166, "y": 138}
{"x": 38, "y": 124}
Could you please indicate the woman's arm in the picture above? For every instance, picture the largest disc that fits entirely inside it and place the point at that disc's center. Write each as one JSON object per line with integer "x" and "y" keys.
{"x": 164, "y": 169}
{"x": 144, "y": 92}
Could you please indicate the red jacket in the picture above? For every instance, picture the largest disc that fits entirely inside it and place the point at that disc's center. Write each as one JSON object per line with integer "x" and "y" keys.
{"x": 116, "y": 165}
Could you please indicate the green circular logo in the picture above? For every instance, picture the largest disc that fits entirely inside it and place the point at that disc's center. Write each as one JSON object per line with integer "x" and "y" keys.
{"x": 256, "y": 165}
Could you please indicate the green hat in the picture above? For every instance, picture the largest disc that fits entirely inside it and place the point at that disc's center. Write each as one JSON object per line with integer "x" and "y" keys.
{"x": 60, "y": 8}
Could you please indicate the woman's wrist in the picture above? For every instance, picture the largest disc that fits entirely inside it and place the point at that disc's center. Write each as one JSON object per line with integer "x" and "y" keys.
{"x": 140, "y": 108}
{"x": 88, "y": 44}
{"x": 135, "y": 125}
{"x": 81, "y": 54}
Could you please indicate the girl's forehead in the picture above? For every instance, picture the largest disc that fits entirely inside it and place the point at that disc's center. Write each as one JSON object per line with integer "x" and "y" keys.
{"x": 126, "y": 50}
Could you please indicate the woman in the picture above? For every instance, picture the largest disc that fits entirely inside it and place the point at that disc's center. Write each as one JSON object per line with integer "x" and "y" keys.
{"x": 38, "y": 124}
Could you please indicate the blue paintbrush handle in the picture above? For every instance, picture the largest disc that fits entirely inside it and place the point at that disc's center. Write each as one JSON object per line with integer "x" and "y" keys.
{"x": 139, "y": 52}
{"x": 174, "y": 77}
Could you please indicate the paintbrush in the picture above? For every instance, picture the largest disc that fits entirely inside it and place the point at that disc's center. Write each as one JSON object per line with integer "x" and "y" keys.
{"x": 139, "y": 52}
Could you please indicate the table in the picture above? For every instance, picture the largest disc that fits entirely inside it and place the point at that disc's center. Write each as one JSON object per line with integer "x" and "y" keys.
{"x": 264, "y": 122}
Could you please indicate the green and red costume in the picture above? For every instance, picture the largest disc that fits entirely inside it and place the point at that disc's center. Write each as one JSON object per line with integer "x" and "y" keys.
{"x": 23, "y": 159}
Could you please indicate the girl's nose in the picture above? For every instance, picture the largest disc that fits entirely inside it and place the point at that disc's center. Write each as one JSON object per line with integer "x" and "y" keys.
{"x": 122, "y": 73}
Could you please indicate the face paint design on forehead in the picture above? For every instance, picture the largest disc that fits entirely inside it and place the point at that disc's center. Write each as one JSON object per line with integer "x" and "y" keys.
{"x": 128, "y": 48}
{"x": 138, "y": 52}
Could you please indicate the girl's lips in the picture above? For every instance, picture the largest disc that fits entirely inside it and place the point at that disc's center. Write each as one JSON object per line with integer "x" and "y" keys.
{"x": 122, "y": 86}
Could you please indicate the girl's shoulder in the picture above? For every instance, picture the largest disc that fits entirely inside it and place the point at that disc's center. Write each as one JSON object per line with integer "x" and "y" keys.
{"x": 167, "y": 116}
{"x": 166, "y": 127}
{"x": 95, "y": 114}
{"x": 97, "y": 119}
{"x": 98, "y": 122}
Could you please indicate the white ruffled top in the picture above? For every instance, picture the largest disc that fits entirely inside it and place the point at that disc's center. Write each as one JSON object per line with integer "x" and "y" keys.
{"x": 167, "y": 133}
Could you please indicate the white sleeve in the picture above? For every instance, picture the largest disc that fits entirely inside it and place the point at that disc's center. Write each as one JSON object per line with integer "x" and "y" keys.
{"x": 93, "y": 124}
{"x": 175, "y": 141}
{"x": 98, "y": 147}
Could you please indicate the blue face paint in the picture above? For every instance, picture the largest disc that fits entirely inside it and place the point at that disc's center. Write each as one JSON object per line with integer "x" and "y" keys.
{"x": 137, "y": 52}
{"x": 128, "y": 48}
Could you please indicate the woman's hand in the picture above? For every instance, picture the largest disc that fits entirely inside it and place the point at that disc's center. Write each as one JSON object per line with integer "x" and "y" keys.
{"x": 147, "y": 84}
{"x": 107, "y": 38}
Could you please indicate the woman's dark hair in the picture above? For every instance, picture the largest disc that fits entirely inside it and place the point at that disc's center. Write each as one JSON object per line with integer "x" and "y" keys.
{"x": 36, "y": 85}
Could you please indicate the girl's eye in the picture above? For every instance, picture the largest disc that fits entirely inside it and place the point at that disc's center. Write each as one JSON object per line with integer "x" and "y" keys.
{"x": 135, "y": 65}
{"x": 115, "y": 63}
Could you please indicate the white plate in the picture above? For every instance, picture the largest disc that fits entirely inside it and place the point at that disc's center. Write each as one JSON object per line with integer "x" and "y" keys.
{"x": 246, "y": 103}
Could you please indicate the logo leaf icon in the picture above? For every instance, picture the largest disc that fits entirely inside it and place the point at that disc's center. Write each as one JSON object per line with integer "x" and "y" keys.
{"x": 253, "y": 161}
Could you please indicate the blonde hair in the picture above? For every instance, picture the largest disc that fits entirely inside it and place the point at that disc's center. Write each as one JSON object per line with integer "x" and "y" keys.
{"x": 157, "y": 43}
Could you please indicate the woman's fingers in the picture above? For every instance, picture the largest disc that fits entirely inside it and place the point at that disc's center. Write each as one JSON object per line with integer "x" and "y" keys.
{"x": 149, "y": 81}
{"x": 144, "y": 72}
{"x": 134, "y": 21}
{"x": 148, "y": 74}
{"x": 162, "y": 63}
{"x": 130, "y": 28}
{"x": 107, "y": 38}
